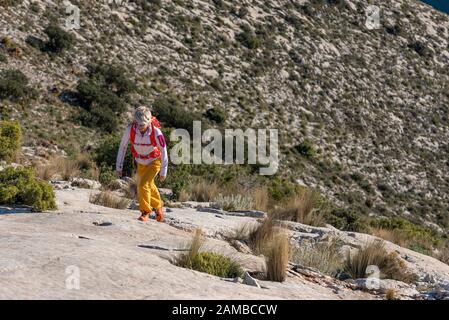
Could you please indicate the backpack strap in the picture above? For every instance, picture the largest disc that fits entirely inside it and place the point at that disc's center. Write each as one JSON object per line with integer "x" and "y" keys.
{"x": 156, "y": 153}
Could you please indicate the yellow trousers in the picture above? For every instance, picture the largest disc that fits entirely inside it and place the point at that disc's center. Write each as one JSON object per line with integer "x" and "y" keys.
{"x": 147, "y": 192}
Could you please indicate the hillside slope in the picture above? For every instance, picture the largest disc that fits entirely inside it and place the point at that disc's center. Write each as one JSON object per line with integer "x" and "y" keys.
{"x": 372, "y": 103}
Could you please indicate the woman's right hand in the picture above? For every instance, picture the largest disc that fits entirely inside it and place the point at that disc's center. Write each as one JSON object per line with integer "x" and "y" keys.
{"x": 119, "y": 173}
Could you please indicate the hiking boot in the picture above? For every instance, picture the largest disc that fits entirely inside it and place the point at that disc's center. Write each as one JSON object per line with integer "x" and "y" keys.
{"x": 159, "y": 215}
{"x": 144, "y": 217}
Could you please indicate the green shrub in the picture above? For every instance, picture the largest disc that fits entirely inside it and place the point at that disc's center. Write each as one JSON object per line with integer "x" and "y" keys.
{"x": 208, "y": 262}
{"x": 280, "y": 189}
{"x": 13, "y": 85}
{"x": 3, "y": 58}
{"x": 58, "y": 39}
{"x": 420, "y": 48}
{"x": 217, "y": 115}
{"x": 10, "y": 139}
{"x": 306, "y": 149}
{"x": 248, "y": 38}
{"x": 215, "y": 264}
{"x": 421, "y": 239}
{"x": 106, "y": 156}
{"x": 107, "y": 175}
{"x": 149, "y": 5}
{"x": 18, "y": 186}
{"x": 178, "y": 178}
{"x": 220, "y": 4}
{"x": 168, "y": 110}
{"x": 10, "y": 3}
{"x": 346, "y": 219}
{"x": 102, "y": 94}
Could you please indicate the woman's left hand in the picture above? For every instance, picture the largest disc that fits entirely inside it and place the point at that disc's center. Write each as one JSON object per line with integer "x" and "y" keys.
{"x": 162, "y": 178}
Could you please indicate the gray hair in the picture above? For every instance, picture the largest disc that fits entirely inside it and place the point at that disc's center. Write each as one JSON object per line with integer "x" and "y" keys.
{"x": 142, "y": 115}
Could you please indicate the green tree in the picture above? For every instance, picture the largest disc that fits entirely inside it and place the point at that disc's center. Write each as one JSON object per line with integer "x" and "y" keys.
{"x": 10, "y": 139}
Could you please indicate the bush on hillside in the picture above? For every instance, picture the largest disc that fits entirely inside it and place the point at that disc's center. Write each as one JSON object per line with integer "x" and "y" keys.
{"x": 59, "y": 40}
{"x": 248, "y": 38}
{"x": 346, "y": 219}
{"x": 149, "y": 5}
{"x": 10, "y": 139}
{"x": 10, "y": 3}
{"x": 19, "y": 186}
{"x": 168, "y": 110}
{"x": 102, "y": 94}
{"x": 420, "y": 48}
{"x": 3, "y": 58}
{"x": 217, "y": 115}
{"x": 418, "y": 237}
{"x": 13, "y": 85}
{"x": 306, "y": 149}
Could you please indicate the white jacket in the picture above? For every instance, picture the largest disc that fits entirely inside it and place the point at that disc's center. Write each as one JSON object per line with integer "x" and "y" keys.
{"x": 143, "y": 150}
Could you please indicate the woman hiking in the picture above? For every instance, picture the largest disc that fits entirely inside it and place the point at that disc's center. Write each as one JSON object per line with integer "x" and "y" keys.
{"x": 149, "y": 150}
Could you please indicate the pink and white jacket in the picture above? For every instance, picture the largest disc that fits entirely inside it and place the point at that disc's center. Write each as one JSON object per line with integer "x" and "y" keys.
{"x": 143, "y": 146}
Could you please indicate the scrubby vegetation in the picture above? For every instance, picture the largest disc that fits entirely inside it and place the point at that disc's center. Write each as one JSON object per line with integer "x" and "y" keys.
{"x": 110, "y": 200}
{"x": 19, "y": 186}
{"x": 260, "y": 236}
{"x": 13, "y": 85}
{"x": 169, "y": 110}
{"x": 406, "y": 233}
{"x": 233, "y": 202}
{"x": 106, "y": 156}
{"x": 306, "y": 207}
{"x": 102, "y": 94}
{"x": 324, "y": 256}
{"x": 374, "y": 254}
{"x": 10, "y": 3}
{"x": 202, "y": 190}
{"x": 59, "y": 40}
{"x": 217, "y": 115}
{"x": 208, "y": 262}
{"x": 10, "y": 140}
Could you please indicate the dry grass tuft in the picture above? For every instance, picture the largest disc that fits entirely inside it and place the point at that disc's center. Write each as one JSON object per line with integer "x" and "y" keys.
{"x": 110, "y": 200}
{"x": 67, "y": 168}
{"x": 260, "y": 198}
{"x": 395, "y": 236}
{"x": 303, "y": 209}
{"x": 374, "y": 253}
{"x": 277, "y": 256}
{"x": 204, "y": 191}
{"x": 443, "y": 255}
{"x": 390, "y": 294}
{"x": 323, "y": 256}
{"x": 192, "y": 250}
{"x": 183, "y": 196}
{"x": 259, "y": 236}
{"x": 46, "y": 171}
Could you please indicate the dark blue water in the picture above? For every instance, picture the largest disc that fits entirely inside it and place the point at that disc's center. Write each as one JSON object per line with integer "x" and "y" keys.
{"x": 442, "y": 5}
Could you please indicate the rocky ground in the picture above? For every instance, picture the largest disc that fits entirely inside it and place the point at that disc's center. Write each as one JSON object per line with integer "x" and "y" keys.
{"x": 372, "y": 103}
{"x": 119, "y": 257}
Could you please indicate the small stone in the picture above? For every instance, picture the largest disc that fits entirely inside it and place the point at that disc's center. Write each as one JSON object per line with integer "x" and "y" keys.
{"x": 102, "y": 224}
{"x": 250, "y": 281}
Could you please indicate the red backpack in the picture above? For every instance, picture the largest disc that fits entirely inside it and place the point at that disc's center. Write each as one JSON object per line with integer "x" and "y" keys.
{"x": 156, "y": 153}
